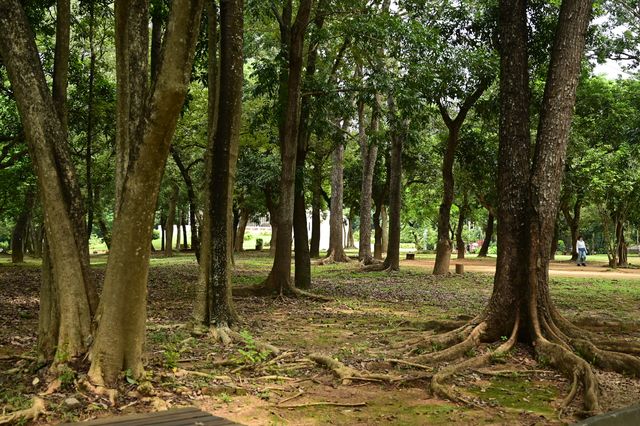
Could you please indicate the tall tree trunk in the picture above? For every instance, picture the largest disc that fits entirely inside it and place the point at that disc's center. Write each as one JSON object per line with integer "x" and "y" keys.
{"x": 460, "y": 246}
{"x": 242, "y": 226}
{"x": 191, "y": 195}
{"x": 292, "y": 39}
{"x": 378, "y": 231}
{"x": 201, "y": 307}
{"x": 369, "y": 155}
{"x": 384, "y": 218}
{"x": 301, "y": 234}
{"x": 316, "y": 208}
{"x": 398, "y": 132}
{"x": 183, "y": 220}
{"x": 162, "y": 233}
{"x": 20, "y": 229}
{"x": 179, "y": 224}
{"x": 44, "y": 121}
{"x": 529, "y": 194}
{"x": 90, "y": 118}
{"x": 488, "y": 235}
{"x": 444, "y": 245}
{"x": 169, "y": 224}
{"x": 554, "y": 241}
{"x": 122, "y": 315}
{"x": 336, "y": 218}
{"x": 273, "y": 221}
{"x": 224, "y": 154}
{"x": 573, "y": 221}
{"x": 351, "y": 243}
{"x": 621, "y": 245}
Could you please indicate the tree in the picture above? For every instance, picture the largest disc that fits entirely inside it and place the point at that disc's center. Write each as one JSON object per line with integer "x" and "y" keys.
{"x": 224, "y": 156}
{"x": 520, "y": 304}
{"x": 292, "y": 34}
{"x": 69, "y": 296}
{"x": 144, "y": 138}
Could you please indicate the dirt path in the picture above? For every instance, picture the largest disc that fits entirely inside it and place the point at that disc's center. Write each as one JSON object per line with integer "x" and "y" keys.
{"x": 558, "y": 269}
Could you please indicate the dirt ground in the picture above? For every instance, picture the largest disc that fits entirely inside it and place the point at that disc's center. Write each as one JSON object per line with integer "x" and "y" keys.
{"x": 363, "y": 327}
{"x": 556, "y": 268}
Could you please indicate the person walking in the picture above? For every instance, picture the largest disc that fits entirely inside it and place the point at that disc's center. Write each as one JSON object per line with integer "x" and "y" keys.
{"x": 581, "y": 246}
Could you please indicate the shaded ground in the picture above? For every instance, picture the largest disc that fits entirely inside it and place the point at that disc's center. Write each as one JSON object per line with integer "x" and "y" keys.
{"x": 371, "y": 313}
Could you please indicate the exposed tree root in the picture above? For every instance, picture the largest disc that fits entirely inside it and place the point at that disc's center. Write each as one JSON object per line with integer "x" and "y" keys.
{"x": 299, "y": 394}
{"x": 263, "y": 289}
{"x": 332, "y": 259}
{"x": 348, "y": 374}
{"x": 437, "y": 382}
{"x": 222, "y": 334}
{"x": 438, "y": 340}
{"x": 457, "y": 350}
{"x": 260, "y": 346}
{"x": 410, "y": 364}
{"x": 24, "y": 416}
{"x": 324, "y": 403}
{"x": 569, "y": 364}
{"x": 377, "y": 267}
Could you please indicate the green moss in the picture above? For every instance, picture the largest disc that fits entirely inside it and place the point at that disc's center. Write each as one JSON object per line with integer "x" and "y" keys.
{"x": 520, "y": 394}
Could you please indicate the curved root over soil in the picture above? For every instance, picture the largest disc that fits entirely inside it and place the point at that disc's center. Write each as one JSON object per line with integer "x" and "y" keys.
{"x": 27, "y": 415}
{"x": 556, "y": 341}
{"x": 271, "y": 287}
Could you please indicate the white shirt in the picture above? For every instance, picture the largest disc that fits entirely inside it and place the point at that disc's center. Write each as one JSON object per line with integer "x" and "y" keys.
{"x": 581, "y": 245}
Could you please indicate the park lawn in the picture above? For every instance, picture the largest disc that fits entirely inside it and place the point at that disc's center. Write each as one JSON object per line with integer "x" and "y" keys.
{"x": 370, "y": 314}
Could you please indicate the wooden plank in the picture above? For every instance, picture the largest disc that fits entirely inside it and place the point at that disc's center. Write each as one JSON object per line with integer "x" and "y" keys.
{"x": 176, "y": 417}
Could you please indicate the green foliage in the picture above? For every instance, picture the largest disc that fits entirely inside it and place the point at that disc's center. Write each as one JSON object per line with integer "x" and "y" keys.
{"x": 171, "y": 356}
{"x": 67, "y": 376}
{"x": 251, "y": 354}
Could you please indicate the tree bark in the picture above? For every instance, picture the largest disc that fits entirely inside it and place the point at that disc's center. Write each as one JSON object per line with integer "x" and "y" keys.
{"x": 191, "y": 195}
{"x": 90, "y": 119}
{"x": 242, "y": 226}
{"x": 179, "y": 224}
{"x": 224, "y": 154}
{"x": 202, "y": 306}
{"x": 316, "y": 208}
{"x": 621, "y": 245}
{"x": 292, "y": 39}
{"x": 488, "y": 235}
{"x": 573, "y": 221}
{"x": 398, "y": 133}
{"x": 119, "y": 339}
{"x": 369, "y": 155}
{"x": 44, "y": 121}
{"x": 460, "y": 245}
{"x": 20, "y": 229}
{"x": 336, "y": 218}
{"x": 378, "y": 231}
{"x": 169, "y": 224}
{"x": 384, "y": 219}
{"x": 444, "y": 244}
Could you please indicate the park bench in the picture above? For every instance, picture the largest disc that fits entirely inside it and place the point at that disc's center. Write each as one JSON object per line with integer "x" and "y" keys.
{"x": 176, "y": 417}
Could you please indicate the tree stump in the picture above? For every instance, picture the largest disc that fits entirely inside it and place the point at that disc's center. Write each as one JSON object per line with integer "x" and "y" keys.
{"x": 459, "y": 268}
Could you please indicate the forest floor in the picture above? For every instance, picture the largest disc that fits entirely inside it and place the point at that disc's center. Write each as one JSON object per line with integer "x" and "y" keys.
{"x": 371, "y": 312}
